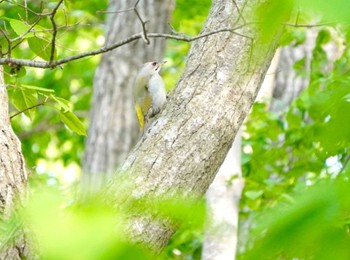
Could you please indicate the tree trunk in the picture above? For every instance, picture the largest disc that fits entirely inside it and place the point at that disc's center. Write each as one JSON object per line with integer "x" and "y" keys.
{"x": 223, "y": 196}
{"x": 186, "y": 144}
{"x": 13, "y": 179}
{"x": 113, "y": 127}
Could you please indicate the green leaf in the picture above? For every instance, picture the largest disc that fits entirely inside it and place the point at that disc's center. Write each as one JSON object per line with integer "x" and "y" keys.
{"x": 38, "y": 88}
{"x": 272, "y": 15}
{"x": 23, "y": 98}
{"x": 73, "y": 122}
{"x": 40, "y": 47}
{"x": 20, "y": 28}
{"x": 253, "y": 194}
{"x": 62, "y": 103}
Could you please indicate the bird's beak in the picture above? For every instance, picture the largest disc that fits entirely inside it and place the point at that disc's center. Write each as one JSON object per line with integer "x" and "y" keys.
{"x": 160, "y": 64}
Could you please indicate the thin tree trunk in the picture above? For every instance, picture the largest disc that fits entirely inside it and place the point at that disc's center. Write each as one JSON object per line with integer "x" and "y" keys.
{"x": 113, "y": 127}
{"x": 186, "y": 144}
{"x": 223, "y": 196}
{"x": 13, "y": 180}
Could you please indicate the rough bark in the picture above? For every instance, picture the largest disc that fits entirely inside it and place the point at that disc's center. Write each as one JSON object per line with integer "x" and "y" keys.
{"x": 186, "y": 144}
{"x": 13, "y": 178}
{"x": 224, "y": 194}
{"x": 113, "y": 127}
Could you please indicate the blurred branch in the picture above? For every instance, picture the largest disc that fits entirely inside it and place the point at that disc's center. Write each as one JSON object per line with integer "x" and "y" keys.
{"x": 43, "y": 126}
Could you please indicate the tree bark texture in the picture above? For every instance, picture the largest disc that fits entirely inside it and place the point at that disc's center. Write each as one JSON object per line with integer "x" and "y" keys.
{"x": 224, "y": 194}
{"x": 113, "y": 127}
{"x": 13, "y": 177}
{"x": 186, "y": 144}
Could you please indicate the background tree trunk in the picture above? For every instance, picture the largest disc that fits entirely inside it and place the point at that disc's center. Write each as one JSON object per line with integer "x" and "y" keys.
{"x": 186, "y": 144}
{"x": 222, "y": 198}
{"x": 113, "y": 127}
{"x": 13, "y": 179}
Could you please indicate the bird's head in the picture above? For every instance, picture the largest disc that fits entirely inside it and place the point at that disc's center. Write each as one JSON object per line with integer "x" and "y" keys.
{"x": 150, "y": 68}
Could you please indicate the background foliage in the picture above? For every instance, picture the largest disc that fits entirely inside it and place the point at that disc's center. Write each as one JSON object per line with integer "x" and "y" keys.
{"x": 295, "y": 162}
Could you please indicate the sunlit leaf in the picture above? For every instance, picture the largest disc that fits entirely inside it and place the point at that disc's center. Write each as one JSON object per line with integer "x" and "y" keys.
{"x": 72, "y": 122}
{"x": 40, "y": 47}
{"x": 20, "y": 28}
{"x": 23, "y": 99}
{"x": 61, "y": 103}
{"x": 46, "y": 90}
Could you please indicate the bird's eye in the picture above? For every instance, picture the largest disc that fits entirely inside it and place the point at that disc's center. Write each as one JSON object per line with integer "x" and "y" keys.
{"x": 154, "y": 63}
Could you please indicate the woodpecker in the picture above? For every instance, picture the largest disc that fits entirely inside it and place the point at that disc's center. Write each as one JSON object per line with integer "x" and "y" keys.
{"x": 149, "y": 92}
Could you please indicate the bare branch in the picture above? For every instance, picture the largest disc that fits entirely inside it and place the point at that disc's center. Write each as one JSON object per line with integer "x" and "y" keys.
{"x": 54, "y": 33}
{"x": 27, "y": 9}
{"x": 143, "y": 23}
{"x": 43, "y": 64}
{"x": 134, "y": 8}
{"x": 116, "y": 12}
{"x": 309, "y": 25}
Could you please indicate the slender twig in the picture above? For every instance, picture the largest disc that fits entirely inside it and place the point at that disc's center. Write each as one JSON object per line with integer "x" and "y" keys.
{"x": 54, "y": 33}
{"x": 31, "y": 107}
{"x": 27, "y": 9}
{"x": 308, "y": 25}
{"x": 134, "y": 8}
{"x": 116, "y": 12}
{"x": 43, "y": 126}
{"x": 9, "y": 46}
{"x": 143, "y": 23}
{"x": 239, "y": 11}
{"x": 26, "y": 32}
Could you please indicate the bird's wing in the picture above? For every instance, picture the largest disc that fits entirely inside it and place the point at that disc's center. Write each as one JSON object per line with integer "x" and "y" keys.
{"x": 142, "y": 108}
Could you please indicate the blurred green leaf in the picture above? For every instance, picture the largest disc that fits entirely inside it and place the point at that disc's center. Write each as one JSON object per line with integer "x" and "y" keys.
{"x": 253, "y": 194}
{"x": 273, "y": 15}
{"x": 307, "y": 227}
